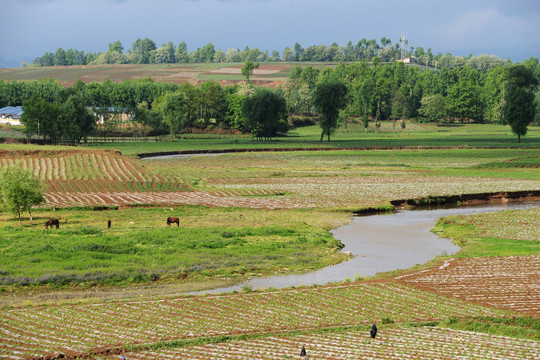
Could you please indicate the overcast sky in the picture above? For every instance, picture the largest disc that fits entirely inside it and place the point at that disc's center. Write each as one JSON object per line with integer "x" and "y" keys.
{"x": 506, "y": 28}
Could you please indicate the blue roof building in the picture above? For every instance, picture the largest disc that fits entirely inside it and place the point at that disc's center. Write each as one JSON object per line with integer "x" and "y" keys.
{"x": 11, "y": 115}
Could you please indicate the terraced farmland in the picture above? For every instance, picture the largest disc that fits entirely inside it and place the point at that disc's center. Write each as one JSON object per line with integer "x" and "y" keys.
{"x": 84, "y": 329}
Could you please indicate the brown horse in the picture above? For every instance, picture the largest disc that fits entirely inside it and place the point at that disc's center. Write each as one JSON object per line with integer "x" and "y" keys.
{"x": 52, "y": 222}
{"x": 172, "y": 220}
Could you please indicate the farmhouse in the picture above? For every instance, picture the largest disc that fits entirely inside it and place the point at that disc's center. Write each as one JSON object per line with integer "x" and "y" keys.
{"x": 409, "y": 60}
{"x": 109, "y": 114}
{"x": 11, "y": 115}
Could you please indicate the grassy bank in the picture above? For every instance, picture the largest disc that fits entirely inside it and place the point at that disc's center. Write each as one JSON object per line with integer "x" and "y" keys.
{"x": 140, "y": 248}
{"x": 504, "y": 233}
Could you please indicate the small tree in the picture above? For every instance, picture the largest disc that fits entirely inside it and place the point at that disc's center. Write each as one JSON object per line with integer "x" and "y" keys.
{"x": 20, "y": 190}
{"x": 433, "y": 107}
{"x": 265, "y": 112}
{"x": 247, "y": 70}
{"x": 519, "y": 106}
{"x": 329, "y": 99}
{"x": 174, "y": 109}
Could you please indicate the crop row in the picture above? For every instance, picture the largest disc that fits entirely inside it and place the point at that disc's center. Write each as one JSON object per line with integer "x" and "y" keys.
{"x": 55, "y": 329}
{"x": 81, "y": 165}
{"x": 506, "y": 282}
{"x": 88, "y": 186}
{"x": 92, "y": 171}
{"x": 392, "y": 343}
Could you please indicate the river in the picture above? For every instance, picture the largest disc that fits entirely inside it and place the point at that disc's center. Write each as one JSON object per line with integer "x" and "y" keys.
{"x": 380, "y": 243}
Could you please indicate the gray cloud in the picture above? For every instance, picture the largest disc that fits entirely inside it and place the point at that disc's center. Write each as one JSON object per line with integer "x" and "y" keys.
{"x": 460, "y": 26}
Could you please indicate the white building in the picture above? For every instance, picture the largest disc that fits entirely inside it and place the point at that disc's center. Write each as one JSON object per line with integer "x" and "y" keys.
{"x": 11, "y": 115}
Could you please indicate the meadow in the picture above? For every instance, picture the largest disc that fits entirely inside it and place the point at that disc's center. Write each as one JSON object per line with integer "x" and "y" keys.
{"x": 139, "y": 247}
{"x": 86, "y": 291}
{"x": 354, "y": 136}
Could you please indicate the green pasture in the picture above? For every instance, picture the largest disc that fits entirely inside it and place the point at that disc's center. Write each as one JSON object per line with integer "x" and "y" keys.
{"x": 415, "y": 135}
{"x": 139, "y": 247}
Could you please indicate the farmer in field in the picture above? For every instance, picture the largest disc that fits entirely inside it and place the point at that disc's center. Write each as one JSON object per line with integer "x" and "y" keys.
{"x": 373, "y": 331}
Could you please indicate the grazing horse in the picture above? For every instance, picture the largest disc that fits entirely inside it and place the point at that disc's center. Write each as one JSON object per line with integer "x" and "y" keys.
{"x": 172, "y": 220}
{"x": 108, "y": 224}
{"x": 52, "y": 222}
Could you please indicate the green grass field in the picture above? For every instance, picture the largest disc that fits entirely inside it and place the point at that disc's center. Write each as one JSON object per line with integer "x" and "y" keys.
{"x": 215, "y": 241}
{"x": 139, "y": 247}
{"x": 415, "y": 135}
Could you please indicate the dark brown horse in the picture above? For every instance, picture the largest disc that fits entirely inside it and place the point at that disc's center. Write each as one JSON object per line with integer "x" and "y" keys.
{"x": 172, "y": 220}
{"x": 52, "y": 222}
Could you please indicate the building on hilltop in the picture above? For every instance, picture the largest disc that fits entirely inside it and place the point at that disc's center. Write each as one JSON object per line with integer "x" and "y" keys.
{"x": 409, "y": 60}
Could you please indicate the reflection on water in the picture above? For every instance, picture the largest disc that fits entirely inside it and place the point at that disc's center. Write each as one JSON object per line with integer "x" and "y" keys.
{"x": 380, "y": 243}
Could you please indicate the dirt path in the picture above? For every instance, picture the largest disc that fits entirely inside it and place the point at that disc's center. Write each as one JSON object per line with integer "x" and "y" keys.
{"x": 102, "y": 294}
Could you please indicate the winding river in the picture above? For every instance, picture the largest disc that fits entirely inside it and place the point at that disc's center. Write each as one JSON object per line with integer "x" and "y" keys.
{"x": 380, "y": 243}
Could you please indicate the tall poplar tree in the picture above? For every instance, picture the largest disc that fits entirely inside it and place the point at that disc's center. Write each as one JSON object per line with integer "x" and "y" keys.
{"x": 519, "y": 107}
{"x": 329, "y": 99}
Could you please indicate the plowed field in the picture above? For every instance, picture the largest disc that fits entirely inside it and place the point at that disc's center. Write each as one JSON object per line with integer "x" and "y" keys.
{"x": 81, "y": 329}
{"x": 88, "y": 171}
{"x": 505, "y": 282}
{"x": 397, "y": 343}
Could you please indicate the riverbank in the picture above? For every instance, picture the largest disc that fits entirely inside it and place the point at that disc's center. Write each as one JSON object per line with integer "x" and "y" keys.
{"x": 378, "y": 233}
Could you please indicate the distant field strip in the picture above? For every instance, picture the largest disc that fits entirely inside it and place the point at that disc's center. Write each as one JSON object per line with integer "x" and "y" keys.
{"x": 37, "y": 331}
{"x": 506, "y": 282}
{"x": 238, "y": 71}
{"x": 394, "y": 343}
{"x": 68, "y": 197}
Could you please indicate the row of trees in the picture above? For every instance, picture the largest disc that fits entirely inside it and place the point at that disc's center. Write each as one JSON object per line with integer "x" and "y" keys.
{"x": 382, "y": 92}
{"x": 374, "y": 92}
{"x": 145, "y": 51}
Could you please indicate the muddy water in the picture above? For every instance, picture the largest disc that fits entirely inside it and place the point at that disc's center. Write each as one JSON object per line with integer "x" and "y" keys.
{"x": 381, "y": 243}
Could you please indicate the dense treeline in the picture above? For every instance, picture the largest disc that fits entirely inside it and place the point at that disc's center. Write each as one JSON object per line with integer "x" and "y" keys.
{"x": 145, "y": 51}
{"x": 397, "y": 91}
{"x": 373, "y": 92}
